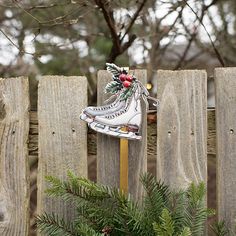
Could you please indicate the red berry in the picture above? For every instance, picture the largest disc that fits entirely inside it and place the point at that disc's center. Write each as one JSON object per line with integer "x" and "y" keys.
{"x": 126, "y": 84}
{"x": 129, "y": 78}
{"x": 122, "y": 77}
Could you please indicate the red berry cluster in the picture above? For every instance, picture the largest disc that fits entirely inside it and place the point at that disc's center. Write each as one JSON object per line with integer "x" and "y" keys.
{"x": 126, "y": 80}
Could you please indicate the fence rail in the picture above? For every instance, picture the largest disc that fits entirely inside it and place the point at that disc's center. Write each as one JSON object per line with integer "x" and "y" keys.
{"x": 184, "y": 134}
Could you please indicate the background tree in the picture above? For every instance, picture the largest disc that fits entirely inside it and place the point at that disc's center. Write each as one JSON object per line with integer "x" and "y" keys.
{"x": 73, "y": 37}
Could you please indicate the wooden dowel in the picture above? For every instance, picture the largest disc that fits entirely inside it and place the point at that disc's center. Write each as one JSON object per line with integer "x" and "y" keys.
{"x": 124, "y": 165}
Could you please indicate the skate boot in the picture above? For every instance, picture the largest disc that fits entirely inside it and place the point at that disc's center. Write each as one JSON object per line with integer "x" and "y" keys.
{"x": 116, "y": 88}
{"x": 123, "y": 123}
{"x": 90, "y": 112}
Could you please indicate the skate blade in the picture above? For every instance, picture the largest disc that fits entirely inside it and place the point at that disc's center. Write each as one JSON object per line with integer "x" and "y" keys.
{"x": 86, "y": 118}
{"x": 114, "y": 131}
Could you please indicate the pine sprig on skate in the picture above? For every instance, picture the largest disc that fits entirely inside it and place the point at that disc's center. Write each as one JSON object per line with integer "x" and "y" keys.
{"x": 113, "y": 87}
{"x": 127, "y": 93}
{"x": 114, "y": 69}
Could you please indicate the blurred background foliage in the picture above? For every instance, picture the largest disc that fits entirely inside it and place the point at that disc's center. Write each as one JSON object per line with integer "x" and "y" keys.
{"x": 77, "y": 37}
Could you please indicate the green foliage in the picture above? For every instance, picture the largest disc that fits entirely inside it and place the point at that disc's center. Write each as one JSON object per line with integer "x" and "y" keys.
{"x": 127, "y": 92}
{"x": 196, "y": 213}
{"x": 166, "y": 227}
{"x": 220, "y": 229}
{"x": 102, "y": 210}
{"x": 186, "y": 232}
{"x": 52, "y": 225}
{"x": 113, "y": 87}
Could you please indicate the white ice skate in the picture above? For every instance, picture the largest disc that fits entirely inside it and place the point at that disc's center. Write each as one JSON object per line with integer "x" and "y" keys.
{"x": 89, "y": 113}
{"x": 121, "y": 118}
{"x": 123, "y": 123}
{"x": 116, "y": 88}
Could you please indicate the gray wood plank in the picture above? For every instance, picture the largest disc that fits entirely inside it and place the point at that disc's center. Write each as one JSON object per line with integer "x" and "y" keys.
{"x": 182, "y": 127}
{"x": 226, "y": 144}
{"x": 14, "y": 181}
{"x": 108, "y": 148}
{"x": 138, "y": 149}
{"x": 62, "y": 136}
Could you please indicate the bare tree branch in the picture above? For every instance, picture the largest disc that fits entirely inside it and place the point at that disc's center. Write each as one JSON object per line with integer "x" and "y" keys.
{"x": 117, "y": 48}
{"x": 52, "y": 22}
{"x": 183, "y": 56}
{"x": 15, "y": 45}
{"x": 136, "y": 14}
{"x": 209, "y": 36}
{"x": 110, "y": 23}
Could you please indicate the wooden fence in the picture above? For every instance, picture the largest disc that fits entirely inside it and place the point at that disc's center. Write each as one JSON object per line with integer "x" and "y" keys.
{"x": 182, "y": 140}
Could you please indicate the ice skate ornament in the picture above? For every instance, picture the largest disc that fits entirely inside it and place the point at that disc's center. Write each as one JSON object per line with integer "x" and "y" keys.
{"x": 121, "y": 118}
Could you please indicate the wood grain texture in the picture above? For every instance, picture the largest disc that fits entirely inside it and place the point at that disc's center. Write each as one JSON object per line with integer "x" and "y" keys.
{"x": 108, "y": 152}
{"x": 62, "y": 136}
{"x": 138, "y": 149}
{"x": 226, "y": 144}
{"x": 211, "y": 132}
{"x": 14, "y": 182}
{"x": 124, "y": 165}
{"x": 182, "y": 127}
{"x": 108, "y": 147}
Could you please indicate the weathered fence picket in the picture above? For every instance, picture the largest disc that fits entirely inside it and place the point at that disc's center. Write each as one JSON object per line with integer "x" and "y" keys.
{"x": 226, "y": 144}
{"x": 108, "y": 148}
{"x": 182, "y": 127}
{"x": 183, "y": 140}
{"x": 62, "y": 135}
{"x": 14, "y": 173}
{"x": 138, "y": 150}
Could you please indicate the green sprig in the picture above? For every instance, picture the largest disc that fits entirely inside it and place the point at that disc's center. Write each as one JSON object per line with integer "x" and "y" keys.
{"x": 102, "y": 210}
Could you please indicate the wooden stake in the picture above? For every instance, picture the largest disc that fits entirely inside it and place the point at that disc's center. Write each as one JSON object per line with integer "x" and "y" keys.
{"x": 124, "y": 163}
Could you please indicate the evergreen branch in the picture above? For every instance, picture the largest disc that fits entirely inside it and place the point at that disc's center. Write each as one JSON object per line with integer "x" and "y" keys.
{"x": 133, "y": 219}
{"x": 113, "y": 87}
{"x": 85, "y": 230}
{"x": 53, "y": 226}
{"x": 220, "y": 228}
{"x": 65, "y": 190}
{"x": 196, "y": 213}
{"x": 127, "y": 93}
{"x": 178, "y": 205}
{"x": 166, "y": 225}
{"x": 186, "y": 232}
{"x": 114, "y": 69}
{"x": 156, "y": 198}
{"x": 102, "y": 210}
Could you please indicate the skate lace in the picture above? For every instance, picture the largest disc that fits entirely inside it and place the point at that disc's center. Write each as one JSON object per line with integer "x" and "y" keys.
{"x": 108, "y": 106}
{"x": 104, "y": 107}
{"x": 145, "y": 96}
{"x": 118, "y": 113}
